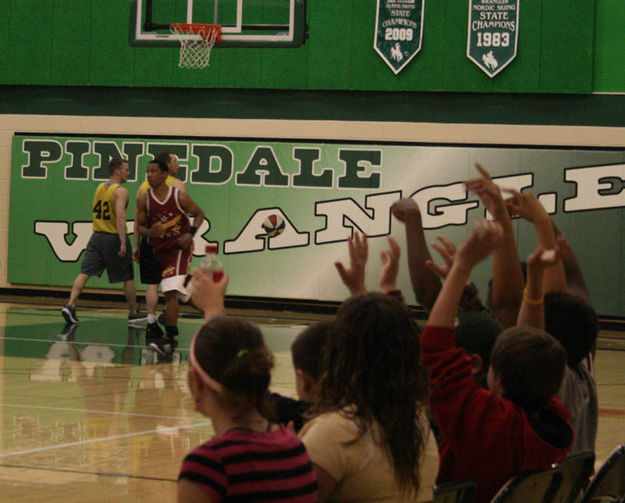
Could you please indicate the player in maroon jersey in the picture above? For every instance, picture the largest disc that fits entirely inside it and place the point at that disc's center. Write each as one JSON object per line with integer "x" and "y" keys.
{"x": 162, "y": 218}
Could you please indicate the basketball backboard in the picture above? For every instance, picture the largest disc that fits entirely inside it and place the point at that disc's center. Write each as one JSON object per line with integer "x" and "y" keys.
{"x": 244, "y": 23}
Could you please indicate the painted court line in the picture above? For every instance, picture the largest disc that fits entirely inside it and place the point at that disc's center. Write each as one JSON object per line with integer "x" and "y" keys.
{"x": 90, "y": 411}
{"x": 82, "y": 343}
{"x": 83, "y": 472}
{"x": 611, "y": 413}
{"x": 103, "y": 439}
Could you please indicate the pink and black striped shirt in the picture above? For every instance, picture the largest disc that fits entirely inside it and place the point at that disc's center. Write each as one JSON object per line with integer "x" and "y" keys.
{"x": 245, "y": 465}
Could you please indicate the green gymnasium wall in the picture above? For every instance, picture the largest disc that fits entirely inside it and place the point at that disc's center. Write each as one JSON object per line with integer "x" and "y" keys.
{"x": 609, "y": 59}
{"x": 85, "y": 43}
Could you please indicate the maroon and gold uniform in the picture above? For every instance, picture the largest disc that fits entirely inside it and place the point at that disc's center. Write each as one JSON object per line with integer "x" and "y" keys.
{"x": 173, "y": 258}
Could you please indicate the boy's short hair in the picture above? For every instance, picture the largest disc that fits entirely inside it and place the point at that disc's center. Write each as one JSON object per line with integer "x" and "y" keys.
{"x": 116, "y": 163}
{"x": 307, "y": 348}
{"x": 572, "y": 321}
{"x": 530, "y": 364}
{"x": 164, "y": 156}
{"x": 162, "y": 165}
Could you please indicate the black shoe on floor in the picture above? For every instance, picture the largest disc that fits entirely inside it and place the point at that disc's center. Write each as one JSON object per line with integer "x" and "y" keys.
{"x": 164, "y": 346}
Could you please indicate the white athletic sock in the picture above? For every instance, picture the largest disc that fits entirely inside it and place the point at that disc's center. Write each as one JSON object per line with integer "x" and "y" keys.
{"x": 151, "y": 318}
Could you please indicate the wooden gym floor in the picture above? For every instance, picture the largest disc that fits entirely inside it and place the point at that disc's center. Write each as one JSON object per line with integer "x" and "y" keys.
{"x": 90, "y": 414}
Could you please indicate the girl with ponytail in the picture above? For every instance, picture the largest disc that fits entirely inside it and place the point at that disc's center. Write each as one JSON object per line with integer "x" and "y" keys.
{"x": 250, "y": 457}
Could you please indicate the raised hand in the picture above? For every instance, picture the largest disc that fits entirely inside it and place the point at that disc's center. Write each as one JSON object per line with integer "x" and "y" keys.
{"x": 536, "y": 264}
{"x": 425, "y": 283}
{"x": 354, "y": 276}
{"x": 532, "y": 310}
{"x": 484, "y": 239}
{"x": 489, "y": 193}
{"x": 208, "y": 295}
{"x": 568, "y": 257}
{"x": 390, "y": 266}
{"x": 447, "y": 251}
{"x": 404, "y": 208}
{"x": 541, "y": 259}
{"x": 525, "y": 205}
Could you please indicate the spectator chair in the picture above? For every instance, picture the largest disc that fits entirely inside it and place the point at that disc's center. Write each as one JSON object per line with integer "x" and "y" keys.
{"x": 455, "y": 492}
{"x": 576, "y": 472}
{"x": 608, "y": 484}
{"x": 532, "y": 487}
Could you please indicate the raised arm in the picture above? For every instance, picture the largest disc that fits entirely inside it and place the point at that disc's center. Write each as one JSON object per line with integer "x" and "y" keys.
{"x": 528, "y": 207}
{"x": 121, "y": 202}
{"x": 532, "y": 310}
{"x": 425, "y": 283}
{"x": 390, "y": 269}
{"x": 575, "y": 281}
{"x": 354, "y": 276}
{"x": 483, "y": 240}
{"x": 390, "y": 266}
{"x": 208, "y": 295}
{"x": 507, "y": 285}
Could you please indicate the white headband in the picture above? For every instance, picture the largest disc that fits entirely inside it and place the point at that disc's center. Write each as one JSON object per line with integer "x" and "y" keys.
{"x": 208, "y": 380}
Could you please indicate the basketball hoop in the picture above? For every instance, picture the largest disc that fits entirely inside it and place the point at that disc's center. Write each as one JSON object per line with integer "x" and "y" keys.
{"x": 195, "y": 52}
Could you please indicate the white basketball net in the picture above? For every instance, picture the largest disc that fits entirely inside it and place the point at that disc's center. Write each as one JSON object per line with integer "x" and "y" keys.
{"x": 195, "y": 52}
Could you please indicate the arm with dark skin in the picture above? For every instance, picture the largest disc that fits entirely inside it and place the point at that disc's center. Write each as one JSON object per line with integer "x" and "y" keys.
{"x": 507, "y": 286}
{"x": 527, "y": 206}
{"x": 575, "y": 281}
{"x": 189, "y": 206}
{"x": 425, "y": 283}
{"x": 483, "y": 241}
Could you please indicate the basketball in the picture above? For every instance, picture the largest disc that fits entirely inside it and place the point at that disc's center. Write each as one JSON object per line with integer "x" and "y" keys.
{"x": 273, "y": 225}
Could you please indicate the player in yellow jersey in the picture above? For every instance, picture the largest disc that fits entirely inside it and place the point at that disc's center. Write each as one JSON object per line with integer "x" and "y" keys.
{"x": 149, "y": 268}
{"x": 109, "y": 247}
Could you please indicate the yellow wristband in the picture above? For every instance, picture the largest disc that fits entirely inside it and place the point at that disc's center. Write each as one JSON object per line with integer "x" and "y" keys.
{"x": 532, "y": 302}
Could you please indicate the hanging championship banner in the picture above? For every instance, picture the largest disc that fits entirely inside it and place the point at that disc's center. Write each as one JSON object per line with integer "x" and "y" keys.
{"x": 398, "y": 31}
{"x": 493, "y": 34}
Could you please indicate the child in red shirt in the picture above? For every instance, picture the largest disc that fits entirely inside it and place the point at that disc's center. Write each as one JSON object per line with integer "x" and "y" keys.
{"x": 515, "y": 426}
